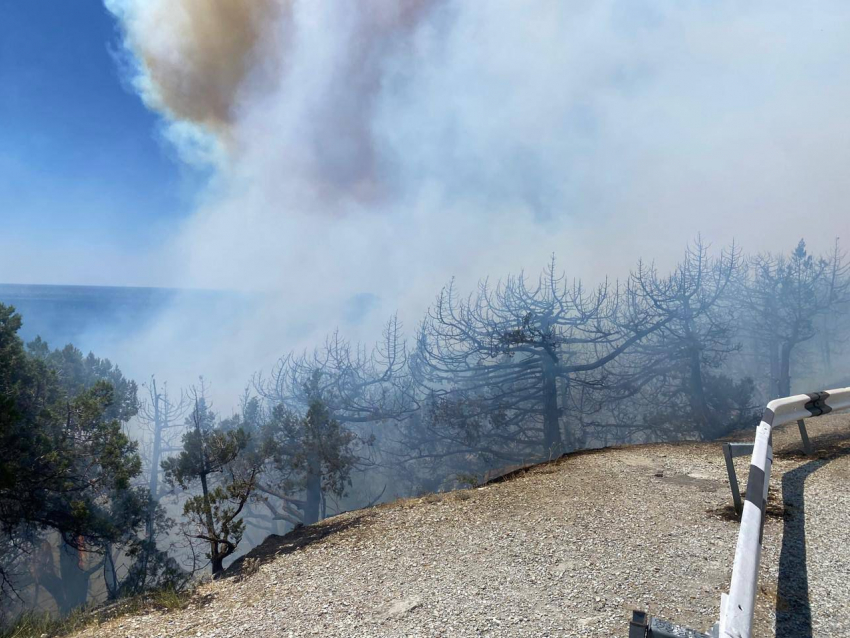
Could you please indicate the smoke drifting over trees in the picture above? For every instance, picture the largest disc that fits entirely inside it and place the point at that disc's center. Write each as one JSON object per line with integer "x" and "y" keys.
{"x": 364, "y": 154}
{"x": 380, "y": 148}
{"x": 520, "y": 370}
{"x": 512, "y": 346}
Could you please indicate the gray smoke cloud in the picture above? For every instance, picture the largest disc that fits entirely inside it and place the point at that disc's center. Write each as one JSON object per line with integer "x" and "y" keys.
{"x": 377, "y": 148}
{"x": 215, "y": 63}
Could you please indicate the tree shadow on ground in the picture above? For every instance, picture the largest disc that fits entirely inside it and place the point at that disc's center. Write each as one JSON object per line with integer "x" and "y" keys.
{"x": 793, "y": 609}
{"x": 300, "y": 537}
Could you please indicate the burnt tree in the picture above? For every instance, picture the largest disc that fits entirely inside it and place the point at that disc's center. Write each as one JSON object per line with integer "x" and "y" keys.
{"x": 682, "y": 361}
{"x": 333, "y": 398}
{"x": 785, "y": 297}
{"x": 513, "y": 353}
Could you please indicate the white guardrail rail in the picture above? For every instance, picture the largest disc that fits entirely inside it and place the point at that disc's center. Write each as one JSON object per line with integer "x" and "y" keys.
{"x": 736, "y": 608}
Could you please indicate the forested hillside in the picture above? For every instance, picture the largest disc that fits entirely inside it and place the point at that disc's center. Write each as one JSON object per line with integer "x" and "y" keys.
{"x": 111, "y": 486}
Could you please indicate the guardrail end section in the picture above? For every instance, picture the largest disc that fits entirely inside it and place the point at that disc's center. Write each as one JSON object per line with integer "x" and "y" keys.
{"x": 644, "y": 626}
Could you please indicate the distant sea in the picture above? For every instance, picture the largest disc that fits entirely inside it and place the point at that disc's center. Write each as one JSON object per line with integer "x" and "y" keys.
{"x": 90, "y": 317}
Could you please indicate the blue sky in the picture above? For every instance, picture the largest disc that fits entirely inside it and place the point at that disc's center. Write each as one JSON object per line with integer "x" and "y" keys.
{"x": 82, "y": 165}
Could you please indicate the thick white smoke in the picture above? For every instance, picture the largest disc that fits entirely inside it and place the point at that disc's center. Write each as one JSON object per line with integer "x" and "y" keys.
{"x": 372, "y": 149}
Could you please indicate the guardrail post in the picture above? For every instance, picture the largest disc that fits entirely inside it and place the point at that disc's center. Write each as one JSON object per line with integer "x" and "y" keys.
{"x": 807, "y": 447}
{"x": 733, "y": 479}
{"x": 737, "y": 607}
{"x": 730, "y": 451}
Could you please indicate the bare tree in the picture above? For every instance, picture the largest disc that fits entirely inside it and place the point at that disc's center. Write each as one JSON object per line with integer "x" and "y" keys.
{"x": 681, "y": 361}
{"x": 512, "y": 353}
{"x": 162, "y": 417}
{"x": 357, "y": 384}
{"x": 833, "y": 326}
{"x": 785, "y": 297}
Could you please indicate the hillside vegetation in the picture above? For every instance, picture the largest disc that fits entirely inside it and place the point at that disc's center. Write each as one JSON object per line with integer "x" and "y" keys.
{"x": 566, "y": 548}
{"x": 110, "y": 488}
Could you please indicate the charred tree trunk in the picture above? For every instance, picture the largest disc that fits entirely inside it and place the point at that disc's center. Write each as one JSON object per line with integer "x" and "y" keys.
{"x": 54, "y": 586}
{"x": 216, "y": 559}
{"x": 217, "y": 563}
{"x": 775, "y": 389}
{"x": 313, "y": 488}
{"x": 573, "y": 432}
{"x": 785, "y": 369}
{"x": 74, "y": 579}
{"x": 553, "y": 443}
{"x": 110, "y": 573}
{"x": 699, "y": 402}
{"x": 153, "y": 487}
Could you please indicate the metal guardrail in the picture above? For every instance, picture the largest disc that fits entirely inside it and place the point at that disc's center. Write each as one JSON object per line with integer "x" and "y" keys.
{"x": 736, "y": 608}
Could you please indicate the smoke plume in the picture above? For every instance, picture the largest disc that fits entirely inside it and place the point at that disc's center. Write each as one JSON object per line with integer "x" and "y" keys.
{"x": 372, "y": 149}
{"x": 209, "y": 62}
{"x": 198, "y": 55}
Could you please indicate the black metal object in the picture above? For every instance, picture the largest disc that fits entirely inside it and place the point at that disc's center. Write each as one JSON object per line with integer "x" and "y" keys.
{"x": 817, "y": 405}
{"x": 807, "y": 447}
{"x": 639, "y": 624}
{"x": 644, "y": 626}
{"x": 730, "y": 451}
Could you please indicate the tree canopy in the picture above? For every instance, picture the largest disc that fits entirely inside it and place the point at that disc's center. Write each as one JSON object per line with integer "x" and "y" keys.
{"x": 64, "y": 458}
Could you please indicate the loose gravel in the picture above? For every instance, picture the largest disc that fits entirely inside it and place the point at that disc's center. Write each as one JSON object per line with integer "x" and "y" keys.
{"x": 565, "y": 549}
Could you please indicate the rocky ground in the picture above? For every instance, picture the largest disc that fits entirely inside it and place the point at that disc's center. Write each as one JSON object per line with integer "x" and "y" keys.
{"x": 565, "y": 549}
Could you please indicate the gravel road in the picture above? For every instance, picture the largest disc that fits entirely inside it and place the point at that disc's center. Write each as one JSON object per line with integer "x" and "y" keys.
{"x": 564, "y": 549}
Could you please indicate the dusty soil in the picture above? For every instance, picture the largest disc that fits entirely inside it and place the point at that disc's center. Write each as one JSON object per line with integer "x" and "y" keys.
{"x": 568, "y": 548}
